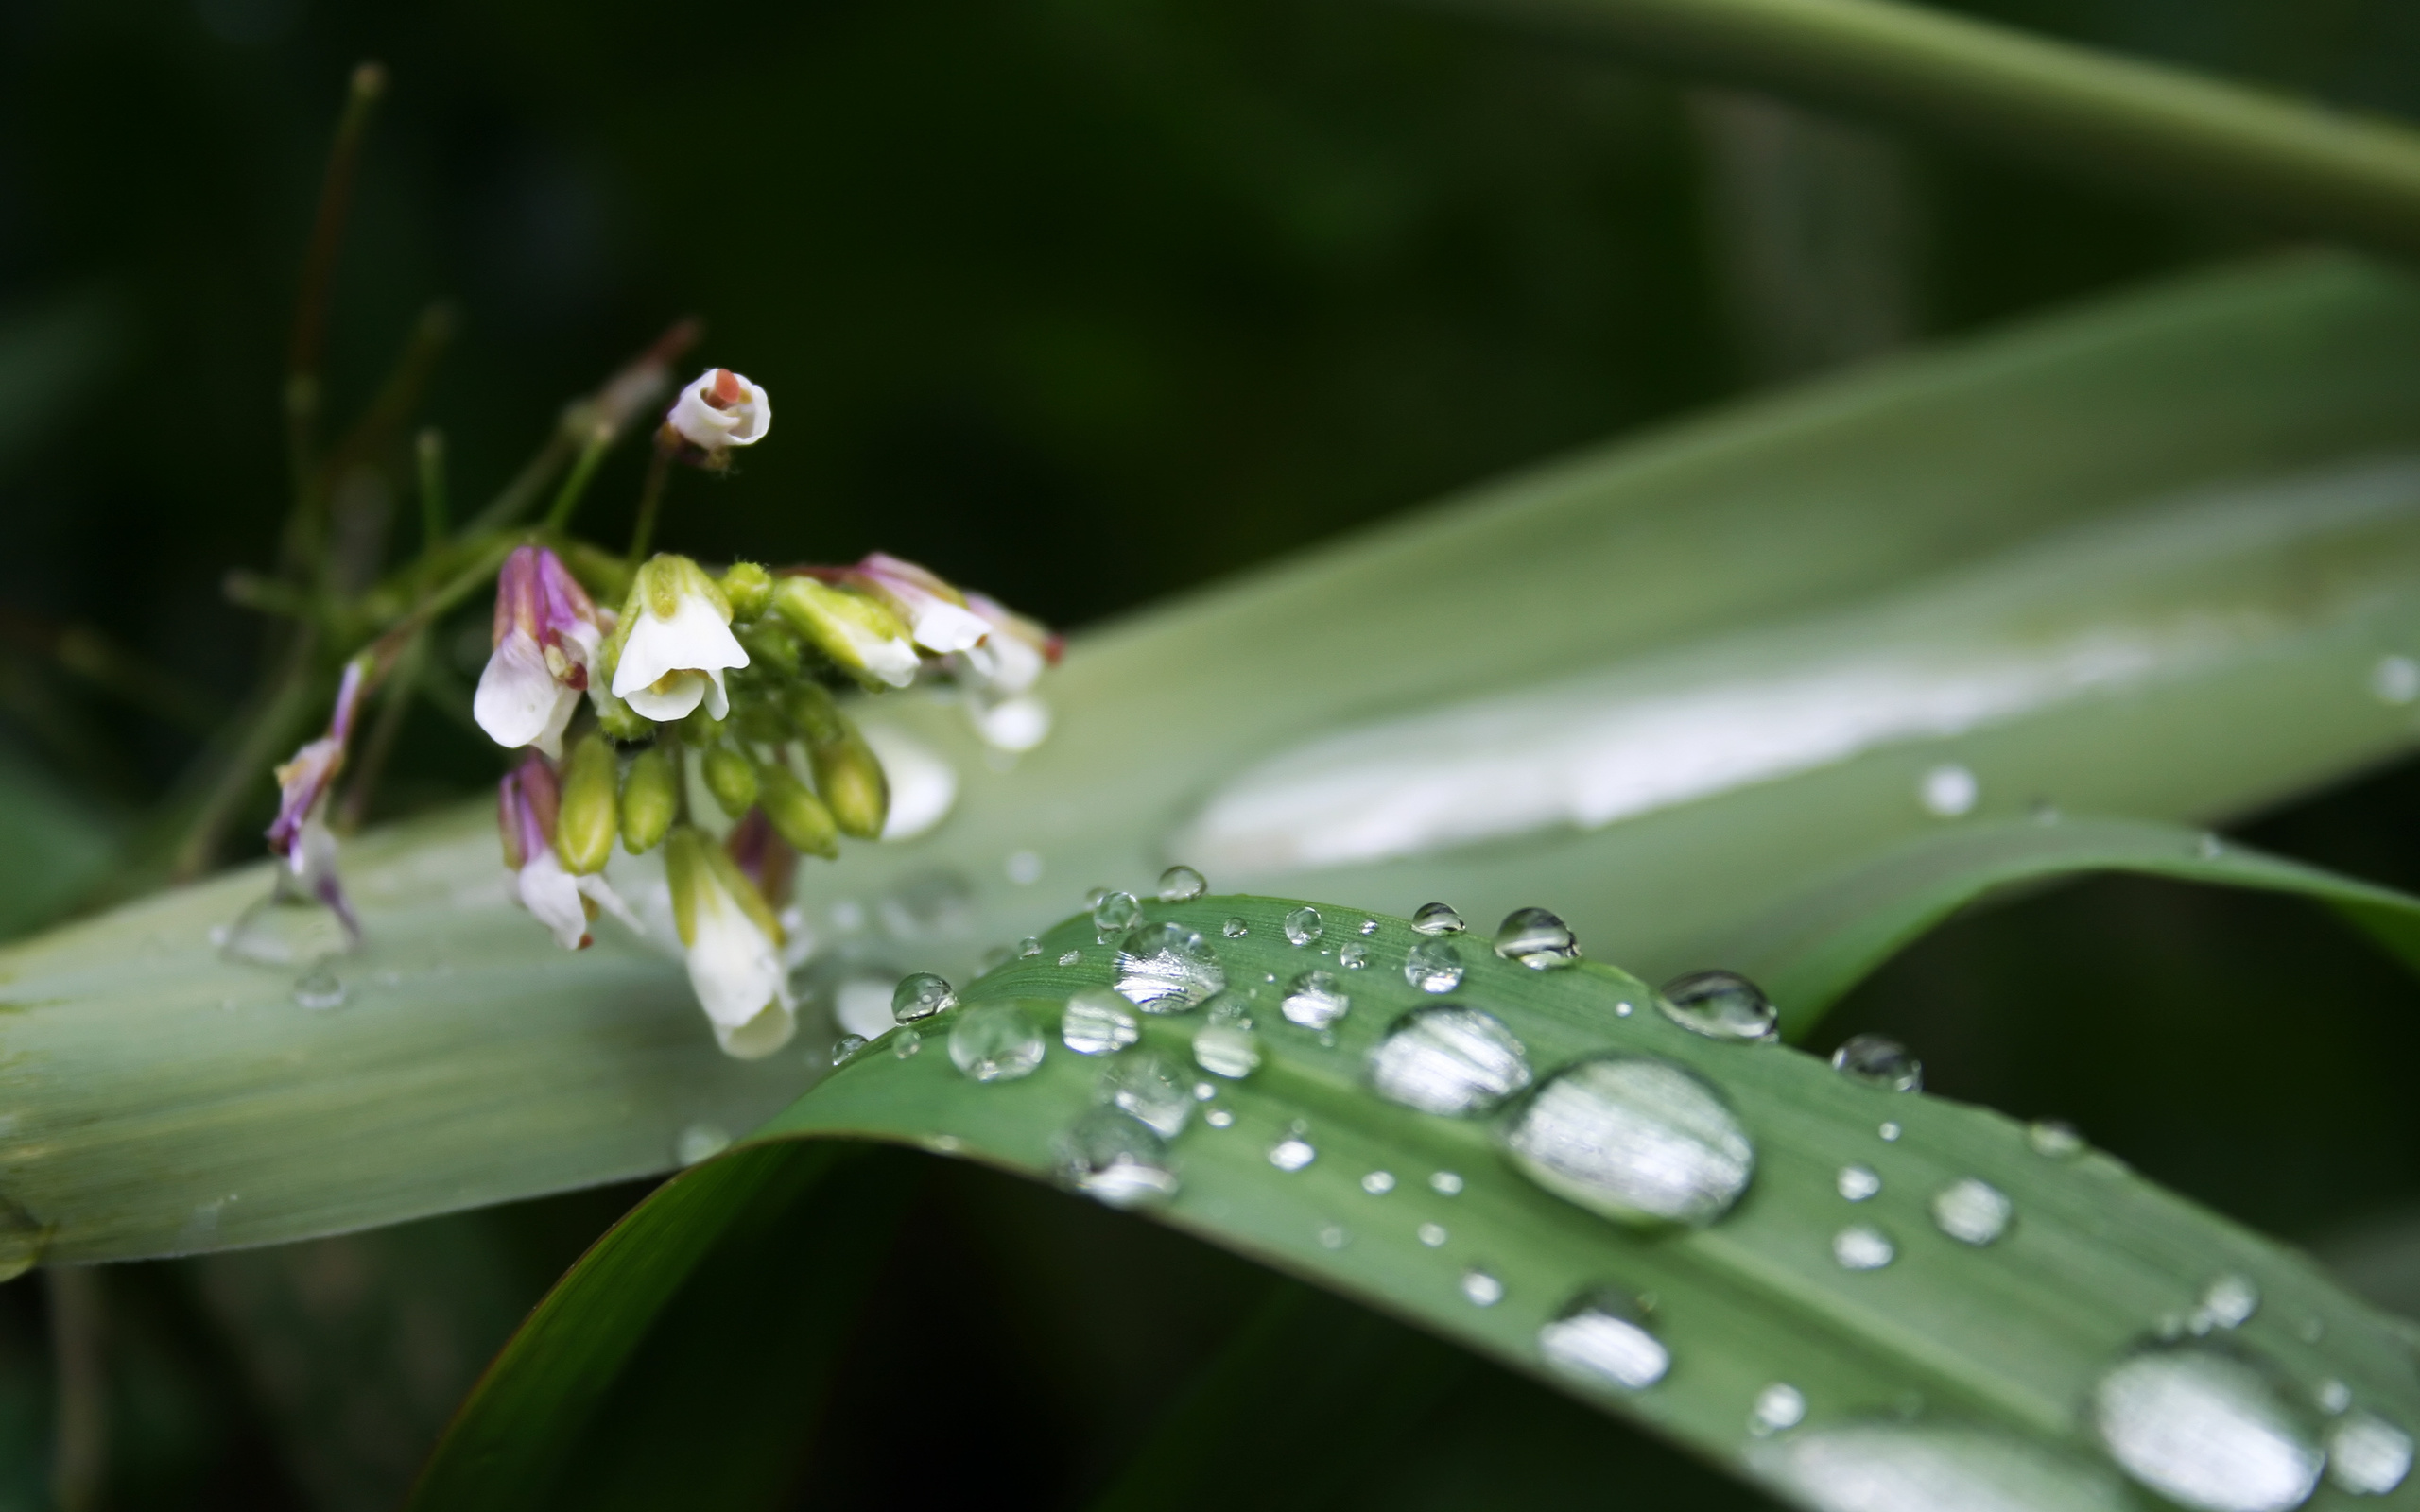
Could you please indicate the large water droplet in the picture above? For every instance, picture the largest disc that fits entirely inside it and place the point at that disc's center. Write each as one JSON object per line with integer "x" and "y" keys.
{"x": 1779, "y": 1407}
{"x": 290, "y": 927}
{"x": 1878, "y": 1060}
{"x": 319, "y": 990}
{"x": 1449, "y": 1059}
{"x": 1437, "y": 919}
{"x": 1115, "y": 914}
{"x": 1721, "y": 1006}
{"x": 1182, "y": 885}
{"x": 1972, "y": 1212}
{"x": 1353, "y": 958}
{"x": 1315, "y": 999}
{"x": 699, "y": 1141}
{"x": 907, "y": 1044}
{"x": 919, "y": 995}
{"x": 1862, "y": 1246}
{"x": 1226, "y": 1049}
{"x": 1481, "y": 1287}
{"x": 1149, "y": 1087}
{"x": 1637, "y": 1139}
{"x": 2367, "y": 1456}
{"x": 1167, "y": 969}
{"x": 22, "y": 1240}
{"x": 1446, "y": 1183}
{"x": 1892, "y": 1467}
{"x": 1602, "y": 1338}
{"x": 1433, "y": 966}
{"x": 2230, "y": 1300}
{"x": 2055, "y": 1137}
{"x": 1857, "y": 1183}
{"x": 2206, "y": 1428}
{"x": 1111, "y": 1158}
{"x": 1292, "y": 1153}
{"x": 1097, "y": 1023}
{"x": 1537, "y": 939}
{"x": 996, "y": 1041}
{"x": 1304, "y": 925}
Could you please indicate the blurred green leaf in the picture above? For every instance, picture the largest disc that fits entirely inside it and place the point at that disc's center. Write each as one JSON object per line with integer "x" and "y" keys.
{"x": 54, "y": 844}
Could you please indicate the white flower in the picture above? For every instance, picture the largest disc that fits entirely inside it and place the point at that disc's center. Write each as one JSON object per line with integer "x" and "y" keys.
{"x": 733, "y": 947}
{"x": 546, "y": 636}
{"x": 721, "y": 410}
{"x": 529, "y": 804}
{"x": 936, "y": 613}
{"x": 677, "y": 642}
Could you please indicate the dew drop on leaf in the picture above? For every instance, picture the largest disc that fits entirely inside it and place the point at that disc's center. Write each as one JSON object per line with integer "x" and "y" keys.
{"x": 1878, "y": 1060}
{"x": 2396, "y": 679}
{"x": 919, "y": 995}
{"x": 1218, "y": 1118}
{"x": 2367, "y": 1456}
{"x": 1862, "y": 1246}
{"x": 319, "y": 991}
{"x": 1948, "y": 791}
{"x": 1378, "y": 1183}
{"x": 2054, "y": 1138}
{"x": 1149, "y": 1089}
{"x": 909, "y": 1043}
{"x": 2333, "y": 1397}
{"x": 1226, "y": 1049}
{"x": 1292, "y": 1153}
{"x": 1481, "y": 1287}
{"x": 1234, "y": 929}
{"x": 846, "y": 1046}
{"x": 996, "y": 1042}
{"x": 1029, "y": 948}
{"x": 1303, "y": 925}
{"x": 1858, "y": 1182}
{"x": 699, "y": 1141}
{"x": 1890, "y": 1131}
{"x": 1972, "y": 1212}
{"x": 1096, "y": 1022}
{"x": 1182, "y": 885}
{"x": 1114, "y": 1159}
{"x": 1315, "y": 1000}
{"x": 1451, "y": 1060}
{"x": 1638, "y": 1138}
{"x": 1437, "y": 919}
{"x": 1070, "y": 957}
{"x": 1331, "y": 1236}
{"x": 1779, "y": 1407}
{"x": 2230, "y": 1300}
{"x": 1167, "y": 968}
{"x": 1433, "y": 966}
{"x": 1721, "y": 1006}
{"x": 1445, "y": 1184}
{"x": 1432, "y": 1234}
{"x": 1602, "y": 1339}
{"x": 2206, "y": 1428}
{"x": 1872, "y": 1466}
{"x": 1537, "y": 939}
{"x": 1115, "y": 913}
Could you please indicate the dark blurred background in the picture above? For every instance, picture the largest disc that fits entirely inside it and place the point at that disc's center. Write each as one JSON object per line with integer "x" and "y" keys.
{"x": 1084, "y": 304}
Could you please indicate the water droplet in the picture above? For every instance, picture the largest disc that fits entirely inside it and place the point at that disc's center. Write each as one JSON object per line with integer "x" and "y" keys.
{"x": 907, "y": 1044}
{"x": 1481, "y": 1288}
{"x": 1437, "y": 919}
{"x": 2396, "y": 679}
{"x": 2367, "y": 1456}
{"x": 1878, "y": 1060}
{"x": 1858, "y": 1182}
{"x": 1167, "y": 968}
{"x": 2209, "y": 848}
{"x": 290, "y": 927}
{"x": 1378, "y": 1183}
{"x": 1226, "y": 1049}
{"x": 1304, "y": 925}
{"x": 1870, "y": 1467}
{"x": 1070, "y": 957}
{"x": 1029, "y": 948}
{"x": 1779, "y": 1407}
{"x": 1432, "y": 1234}
{"x": 1023, "y": 868}
{"x": 1315, "y": 999}
{"x": 1622, "y": 1010}
{"x": 1113, "y": 1160}
{"x": 1234, "y": 929}
{"x": 699, "y": 1141}
{"x": 2206, "y": 1428}
{"x": 1092, "y": 897}
{"x": 1637, "y": 1139}
{"x": 997, "y": 1042}
{"x": 1149, "y": 1088}
{"x": 2313, "y": 1330}
{"x": 1097, "y": 1023}
{"x": 1602, "y": 1338}
{"x": 1182, "y": 885}
{"x": 1451, "y": 1060}
{"x": 1203, "y": 1092}
{"x": 2230, "y": 1300}
{"x": 1333, "y": 1236}
{"x": 1537, "y": 939}
{"x": 1862, "y": 1246}
{"x": 1721, "y": 1006}
{"x": 1972, "y": 1212}
{"x": 1292, "y": 1153}
{"x": 1446, "y": 1183}
{"x": 1890, "y": 1131}
{"x": 23, "y": 1240}
{"x": 1218, "y": 1118}
{"x": 1433, "y": 966}
{"x": 2054, "y": 1138}
{"x": 318, "y": 990}
{"x": 847, "y": 1046}
{"x": 1116, "y": 913}
{"x": 1369, "y": 926}
{"x": 919, "y": 995}
{"x": 1948, "y": 791}
{"x": 1353, "y": 958}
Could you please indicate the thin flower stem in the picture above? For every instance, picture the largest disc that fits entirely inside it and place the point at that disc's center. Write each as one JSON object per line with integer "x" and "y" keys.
{"x": 659, "y": 469}
{"x": 400, "y": 686}
{"x": 311, "y": 298}
{"x": 80, "y": 1434}
{"x": 567, "y": 498}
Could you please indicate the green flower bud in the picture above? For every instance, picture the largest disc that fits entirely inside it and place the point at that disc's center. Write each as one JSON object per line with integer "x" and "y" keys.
{"x": 797, "y": 815}
{"x": 584, "y": 827}
{"x": 850, "y": 777}
{"x": 860, "y": 635}
{"x": 749, "y": 587}
{"x": 615, "y": 717}
{"x": 772, "y": 645}
{"x": 813, "y": 716}
{"x": 731, "y": 778}
{"x": 651, "y": 798}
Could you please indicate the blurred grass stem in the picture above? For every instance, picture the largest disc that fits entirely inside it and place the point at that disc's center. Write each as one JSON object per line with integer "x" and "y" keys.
{"x": 659, "y": 470}
{"x": 583, "y": 470}
{"x": 80, "y": 1433}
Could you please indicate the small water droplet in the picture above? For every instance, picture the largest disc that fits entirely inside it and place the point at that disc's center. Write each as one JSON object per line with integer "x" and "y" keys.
{"x": 1070, "y": 957}
{"x": 2333, "y": 1397}
{"x": 1234, "y": 929}
{"x": 1315, "y": 999}
{"x": 1114, "y": 1159}
{"x": 1292, "y": 1153}
{"x": 1353, "y": 958}
{"x": 1890, "y": 1131}
{"x": 1304, "y": 925}
{"x": 1029, "y": 948}
{"x": 1433, "y": 966}
{"x": 1097, "y": 1023}
{"x": 1203, "y": 1092}
{"x": 2054, "y": 1138}
{"x": 2207, "y": 1428}
{"x": 1433, "y": 1234}
{"x": 1167, "y": 968}
{"x": 1451, "y": 1060}
{"x": 1147, "y": 1087}
{"x": 2230, "y": 1300}
{"x": 1378, "y": 1183}
{"x": 1858, "y": 1182}
{"x": 1437, "y": 919}
{"x": 1182, "y": 885}
{"x": 1878, "y": 1060}
{"x": 1721, "y": 1006}
{"x": 1882, "y": 1467}
{"x": 1092, "y": 897}
{"x": 1226, "y": 1049}
{"x": 847, "y": 1046}
{"x": 1333, "y": 1236}
{"x": 1972, "y": 1212}
{"x": 319, "y": 991}
{"x": 1638, "y": 1138}
{"x": 699, "y": 1141}
{"x": 2210, "y": 848}
{"x": 1948, "y": 791}
{"x": 1778, "y": 1407}
{"x": 1537, "y": 939}
{"x": 907, "y": 1044}
{"x": 2043, "y": 812}
{"x": 1600, "y": 1337}
{"x": 919, "y": 995}
{"x": 1481, "y": 1288}
{"x": 1218, "y": 1118}
{"x": 1862, "y": 1246}
{"x": 2396, "y": 679}
{"x": 1115, "y": 914}
{"x": 997, "y": 1042}
{"x": 1446, "y": 1183}
{"x": 1023, "y": 868}
{"x": 2367, "y": 1456}
{"x": 1622, "y": 1009}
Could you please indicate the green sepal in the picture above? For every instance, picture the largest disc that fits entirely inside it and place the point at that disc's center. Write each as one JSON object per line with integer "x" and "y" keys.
{"x": 584, "y": 829}
{"x": 650, "y": 799}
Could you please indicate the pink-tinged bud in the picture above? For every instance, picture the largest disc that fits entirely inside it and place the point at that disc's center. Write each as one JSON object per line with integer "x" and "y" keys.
{"x": 547, "y": 631}
{"x": 303, "y": 782}
{"x": 721, "y": 410}
{"x": 936, "y": 613}
{"x": 732, "y": 945}
{"x": 1012, "y": 657}
{"x": 528, "y": 807}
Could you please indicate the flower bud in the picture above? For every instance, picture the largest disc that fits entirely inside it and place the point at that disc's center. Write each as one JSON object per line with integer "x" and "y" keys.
{"x": 733, "y": 946}
{"x": 860, "y": 635}
{"x": 731, "y": 778}
{"x": 650, "y": 799}
{"x": 674, "y": 642}
{"x": 546, "y": 638}
{"x": 584, "y": 830}
{"x": 849, "y": 778}
{"x": 813, "y": 715}
{"x": 936, "y": 613}
{"x": 528, "y": 809}
{"x": 721, "y": 410}
{"x": 770, "y": 645}
{"x": 797, "y": 815}
{"x": 749, "y": 587}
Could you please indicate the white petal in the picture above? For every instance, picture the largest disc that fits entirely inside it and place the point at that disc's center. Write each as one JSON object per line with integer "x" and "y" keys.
{"x": 718, "y": 701}
{"x": 598, "y": 887}
{"x": 680, "y": 694}
{"x": 552, "y": 894}
{"x": 760, "y": 1036}
{"x": 923, "y": 786}
{"x": 695, "y": 639}
{"x": 941, "y": 626}
{"x": 519, "y": 701}
{"x": 1004, "y": 664}
{"x": 733, "y": 968}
